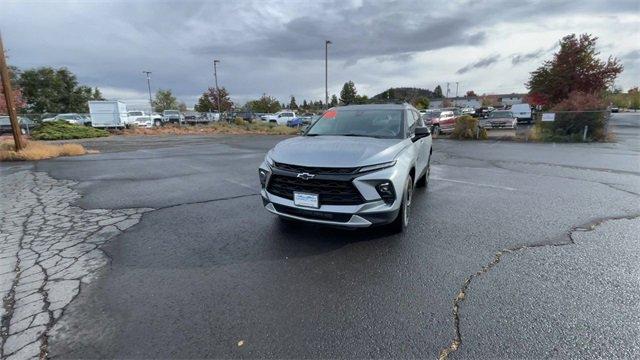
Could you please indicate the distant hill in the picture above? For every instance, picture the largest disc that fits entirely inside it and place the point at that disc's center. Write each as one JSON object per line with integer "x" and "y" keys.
{"x": 407, "y": 94}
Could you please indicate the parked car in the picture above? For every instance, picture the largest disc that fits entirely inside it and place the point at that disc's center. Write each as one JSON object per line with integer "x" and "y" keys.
{"x": 354, "y": 167}
{"x": 247, "y": 116}
{"x": 299, "y": 121}
{"x": 172, "y": 116}
{"x": 483, "y": 112}
{"x": 440, "y": 120}
{"x": 522, "y": 112}
{"x": 26, "y": 125}
{"x": 280, "y": 117}
{"x": 500, "y": 119}
{"x": 468, "y": 111}
{"x": 71, "y": 118}
{"x": 142, "y": 119}
{"x": 615, "y": 109}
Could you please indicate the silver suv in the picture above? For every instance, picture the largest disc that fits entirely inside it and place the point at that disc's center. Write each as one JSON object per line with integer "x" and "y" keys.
{"x": 356, "y": 166}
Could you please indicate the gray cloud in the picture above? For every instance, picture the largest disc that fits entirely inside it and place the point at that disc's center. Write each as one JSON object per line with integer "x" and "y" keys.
{"x": 521, "y": 58}
{"x": 633, "y": 55}
{"x": 274, "y": 46}
{"x": 482, "y": 63}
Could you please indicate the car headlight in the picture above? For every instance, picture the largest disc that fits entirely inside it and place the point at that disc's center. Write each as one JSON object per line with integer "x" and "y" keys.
{"x": 377, "y": 166}
{"x": 269, "y": 160}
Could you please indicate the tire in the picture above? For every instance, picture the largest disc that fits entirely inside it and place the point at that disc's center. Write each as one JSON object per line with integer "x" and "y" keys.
{"x": 157, "y": 123}
{"x": 401, "y": 222}
{"x": 424, "y": 179}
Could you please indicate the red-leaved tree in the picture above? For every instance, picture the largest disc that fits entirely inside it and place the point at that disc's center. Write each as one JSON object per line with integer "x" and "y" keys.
{"x": 18, "y": 101}
{"x": 575, "y": 67}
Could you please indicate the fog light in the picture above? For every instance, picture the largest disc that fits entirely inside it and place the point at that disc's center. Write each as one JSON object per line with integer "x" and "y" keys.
{"x": 263, "y": 174}
{"x": 386, "y": 192}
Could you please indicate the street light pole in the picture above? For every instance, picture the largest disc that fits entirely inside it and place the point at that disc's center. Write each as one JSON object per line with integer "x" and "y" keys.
{"x": 215, "y": 75}
{"x": 326, "y": 73}
{"x": 148, "y": 73}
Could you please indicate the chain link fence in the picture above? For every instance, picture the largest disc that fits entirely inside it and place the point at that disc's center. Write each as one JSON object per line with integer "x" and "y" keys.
{"x": 589, "y": 125}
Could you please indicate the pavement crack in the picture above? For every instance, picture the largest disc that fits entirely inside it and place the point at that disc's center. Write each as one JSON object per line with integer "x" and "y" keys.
{"x": 567, "y": 239}
{"x": 50, "y": 248}
{"x": 205, "y": 201}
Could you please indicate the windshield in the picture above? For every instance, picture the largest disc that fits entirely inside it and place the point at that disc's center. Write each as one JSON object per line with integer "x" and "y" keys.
{"x": 369, "y": 123}
{"x": 171, "y": 112}
{"x": 501, "y": 114}
{"x": 432, "y": 114}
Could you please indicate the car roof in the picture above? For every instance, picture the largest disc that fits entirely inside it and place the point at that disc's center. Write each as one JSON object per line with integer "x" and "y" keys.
{"x": 375, "y": 107}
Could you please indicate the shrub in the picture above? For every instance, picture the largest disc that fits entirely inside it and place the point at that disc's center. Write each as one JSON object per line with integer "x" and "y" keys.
{"x": 62, "y": 130}
{"x": 239, "y": 121}
{"x": 468, "y": 127}
{"x": 38, "y": 151}
{"x": 572, "y": 115}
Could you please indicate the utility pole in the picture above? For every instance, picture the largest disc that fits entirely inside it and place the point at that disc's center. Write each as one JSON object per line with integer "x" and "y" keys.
{"x": 215, "y": 76}
{"x": 8, "y": 97}
{"x": 456, "y": 89}
{"x": 326, "y": 73}
{"x": 148, "y": 73}
{"x": 447, "y": 90}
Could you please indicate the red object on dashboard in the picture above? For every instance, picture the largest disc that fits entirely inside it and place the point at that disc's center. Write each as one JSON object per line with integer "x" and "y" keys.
{"x": 330, "y": 114}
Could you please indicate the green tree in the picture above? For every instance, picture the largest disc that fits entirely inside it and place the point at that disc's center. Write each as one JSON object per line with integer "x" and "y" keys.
{"x": 348, "y": 94}
{"x": 164, "y": 101}
{"x": 266, "y": 104}
{"x": 574, "y": 68}
{"x": 97, "y": 94}
{"x": 422, "y": 103}
{"x": 292, "y": 103}
{"x": 46, "y": 89}
{"x": 361, "y": 99}
{"x": 437, "y": 92}
{"x": 204, "y": 104}
{"x": 223, "y": 96}
{"x": 304, "y": 104}
{"x": 471, "y": 93}
{"x": 334, "y": 101}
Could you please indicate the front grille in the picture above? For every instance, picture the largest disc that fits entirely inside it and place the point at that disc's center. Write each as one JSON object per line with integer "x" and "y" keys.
{"x": 315, "y": 170}
{"x": 311, "y": 214}
{"x": 330, "y": 192}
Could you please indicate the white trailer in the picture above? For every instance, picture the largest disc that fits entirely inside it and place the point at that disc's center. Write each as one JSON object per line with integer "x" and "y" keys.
{"x": 108, "y": 114}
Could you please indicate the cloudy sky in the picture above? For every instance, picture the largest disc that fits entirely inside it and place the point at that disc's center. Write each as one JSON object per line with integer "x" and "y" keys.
{"x": 277, "y": 47}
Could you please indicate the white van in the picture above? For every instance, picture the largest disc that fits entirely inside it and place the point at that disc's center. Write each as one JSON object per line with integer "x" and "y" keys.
{"x": 108, "y": 114}
{"x": 522, "y": 112}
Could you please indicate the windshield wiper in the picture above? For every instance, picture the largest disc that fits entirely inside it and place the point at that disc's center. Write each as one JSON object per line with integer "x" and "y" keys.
{"x": 312, "y": 135}
{"x": 359, "y": 135}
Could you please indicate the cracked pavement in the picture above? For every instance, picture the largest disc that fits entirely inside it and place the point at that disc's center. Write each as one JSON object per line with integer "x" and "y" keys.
{"x": 209, "y": 268}
{"x": 48, "y": 250}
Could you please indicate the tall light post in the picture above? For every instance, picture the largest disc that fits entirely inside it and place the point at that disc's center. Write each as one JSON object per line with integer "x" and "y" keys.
{"x": 215, "y": 75}
{"x": 326, "y": 73}
{"x": 148, "y": 73}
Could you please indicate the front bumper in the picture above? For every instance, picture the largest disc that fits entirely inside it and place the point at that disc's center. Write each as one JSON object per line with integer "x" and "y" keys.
{"x": 373, "y": 210}
{"x": 339, "y": 219}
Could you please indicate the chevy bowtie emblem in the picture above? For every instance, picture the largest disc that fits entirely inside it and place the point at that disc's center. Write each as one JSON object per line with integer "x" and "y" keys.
{"x": 305, "y": 176}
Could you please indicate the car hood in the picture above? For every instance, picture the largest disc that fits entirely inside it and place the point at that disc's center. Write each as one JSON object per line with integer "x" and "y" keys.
{"x": 336, "y": 151}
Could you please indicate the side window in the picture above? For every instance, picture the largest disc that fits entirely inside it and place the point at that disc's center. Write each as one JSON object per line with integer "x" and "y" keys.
{"x": 419, "y": 122}
{"x": 411, "y": 123}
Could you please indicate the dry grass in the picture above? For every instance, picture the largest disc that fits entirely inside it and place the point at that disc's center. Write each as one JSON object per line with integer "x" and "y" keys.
{"x": 239, "y": 127}
{"x": 36, "y": 150}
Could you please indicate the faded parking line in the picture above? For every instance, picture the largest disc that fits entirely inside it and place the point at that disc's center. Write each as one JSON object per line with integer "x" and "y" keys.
{"x": 476, "y": 184}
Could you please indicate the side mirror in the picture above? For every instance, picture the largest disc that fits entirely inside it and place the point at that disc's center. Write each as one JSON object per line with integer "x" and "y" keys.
{"x": 421, "y": 132}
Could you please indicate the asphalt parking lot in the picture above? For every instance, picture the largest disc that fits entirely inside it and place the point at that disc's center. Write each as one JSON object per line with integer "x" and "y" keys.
{"x": 515, "y": 250}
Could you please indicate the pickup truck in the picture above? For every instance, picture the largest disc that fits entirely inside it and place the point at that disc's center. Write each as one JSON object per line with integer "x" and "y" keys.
{"x": 280, "y": 117}
{"x": 172, "y": 116}
{"x": 141, "y": 118}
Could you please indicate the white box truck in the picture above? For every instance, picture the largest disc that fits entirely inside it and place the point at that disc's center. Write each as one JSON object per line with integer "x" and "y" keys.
{"x": 108, "y": 114}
